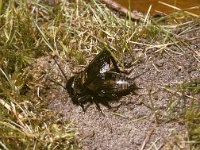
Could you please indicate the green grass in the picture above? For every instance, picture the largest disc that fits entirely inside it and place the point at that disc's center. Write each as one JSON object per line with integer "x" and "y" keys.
{"x": 192, "y": 115}
{"x": 192, "y": 118}
{"x": 72, "y": 30}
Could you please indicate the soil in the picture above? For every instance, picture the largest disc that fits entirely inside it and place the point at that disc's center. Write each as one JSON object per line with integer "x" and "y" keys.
{"x": 152, "y": 118}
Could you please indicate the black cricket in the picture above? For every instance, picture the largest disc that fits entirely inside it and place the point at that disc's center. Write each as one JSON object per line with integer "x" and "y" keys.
{"x": 100, "y": 82}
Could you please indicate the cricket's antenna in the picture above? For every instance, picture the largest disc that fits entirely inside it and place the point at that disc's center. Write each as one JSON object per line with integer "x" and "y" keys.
{"x": 141, "y": 74}
{"x": 60, "y": 67}
{"x": 57, "y": 83}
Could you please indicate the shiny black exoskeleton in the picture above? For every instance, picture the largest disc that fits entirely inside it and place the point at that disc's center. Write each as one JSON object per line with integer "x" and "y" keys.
{"x": 100, "y": 82}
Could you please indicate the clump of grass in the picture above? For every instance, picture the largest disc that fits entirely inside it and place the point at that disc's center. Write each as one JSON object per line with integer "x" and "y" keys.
{"x": 22, "y": 126}
{"x": 35, "y": 131}
{"x": 193, "y": 125}
{"x": 192, "y": 115}
{"x": 192, "y": 87}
